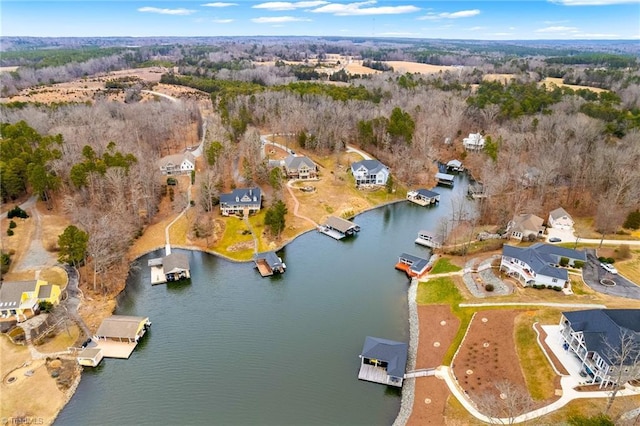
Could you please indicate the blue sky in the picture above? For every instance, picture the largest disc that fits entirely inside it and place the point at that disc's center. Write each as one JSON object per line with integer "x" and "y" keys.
{"x": 482, "y": 20}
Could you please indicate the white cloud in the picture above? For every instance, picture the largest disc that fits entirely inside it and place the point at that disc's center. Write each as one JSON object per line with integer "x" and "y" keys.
{"x": 180, "y": 11}
{"x": 219, "y": 4}
{"x": 278, "y": 19}
{"x": 591, "y": 2}
{"x": 450, "y": 15}
{"x": 557, "y": 29}
{"x": 287, "y": 5}
{"x": 358, "y": 9}
{"x": 222, "y": 21}
{"x": 477, "y": 28}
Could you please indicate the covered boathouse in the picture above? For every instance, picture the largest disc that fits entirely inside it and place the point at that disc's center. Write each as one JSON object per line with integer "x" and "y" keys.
{"x": 429, "y": 239}
{"x": 338, "y": 228}
{"x": 445, "y": 179}
{"x": 423, "y": 197}
{"x": 172, "y": 267}
{"x": 413, "y": 266}
{"x": 118, "y": 335}
{"x": 383, "y": 361}
{"x": 268, "y": 263}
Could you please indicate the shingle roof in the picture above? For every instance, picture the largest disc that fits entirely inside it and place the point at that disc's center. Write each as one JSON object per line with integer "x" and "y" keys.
{"x": 427, "y": 193}
{"x": 271, "y": 258}
{"x": 541, "y": 258}
{"x": 242, "y": 196}
{"x": 293, "y": 162}
{"x": 605, "y": 325}
{"x": 11, "y": 292}
{"x": 372, "y": 166}
{"x": 175, "y": 262}
{"x": 392, "y": 352}
{"x": 45, "y": 291}
{"x": 526, "y": 222}
{"x": 558, "y": 213}
{"x": 340, "y": 224}
{"x": 454, "y": 163}
{"x": 120, "y": 327}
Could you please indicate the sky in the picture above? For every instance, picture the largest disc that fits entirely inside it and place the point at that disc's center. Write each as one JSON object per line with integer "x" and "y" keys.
{"x": 452, "y": 19}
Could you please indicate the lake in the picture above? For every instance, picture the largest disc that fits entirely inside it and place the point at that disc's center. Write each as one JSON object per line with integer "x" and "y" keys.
{"x": 231, "y": 347}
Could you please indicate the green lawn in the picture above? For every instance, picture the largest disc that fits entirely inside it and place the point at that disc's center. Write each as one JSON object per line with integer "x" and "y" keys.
{"x": 444, "y": 265}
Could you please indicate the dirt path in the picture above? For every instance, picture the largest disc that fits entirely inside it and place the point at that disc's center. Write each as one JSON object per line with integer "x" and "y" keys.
{"x": 296, "y": 204}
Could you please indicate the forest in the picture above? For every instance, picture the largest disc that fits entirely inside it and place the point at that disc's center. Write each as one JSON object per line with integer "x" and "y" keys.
{"x": 547, "y": 145}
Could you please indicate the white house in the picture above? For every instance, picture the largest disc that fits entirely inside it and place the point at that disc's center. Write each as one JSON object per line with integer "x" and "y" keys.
{"x": 525, "y": 227}
{"x": 537, "y": 264}
{"x": 589, "y": 335}
{"x": 370, "y": 172}
{"x": 560, "y": 219}
{"x": 475, "y": 142}
{"x": 177, "y": 164}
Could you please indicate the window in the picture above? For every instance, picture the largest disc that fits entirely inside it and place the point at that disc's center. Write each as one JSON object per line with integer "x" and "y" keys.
{"x": 554, "y": 280}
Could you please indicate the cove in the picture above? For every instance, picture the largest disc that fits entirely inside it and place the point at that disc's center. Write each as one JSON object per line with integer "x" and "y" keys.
{"x": 231, "y": 347}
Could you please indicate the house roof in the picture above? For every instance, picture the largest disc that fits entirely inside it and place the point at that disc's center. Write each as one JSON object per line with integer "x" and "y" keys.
{"x": 418, "y": 264}
{"x": 175, "y": 262}
{"x": 293, "y": 162}
{"x": 270, "y": 257}
{"x": 526, "y": 222}
{"x": 432, "y": 235}
{"x": 444, "y": 176}
{"x": 372, "y": 166}
{"x": 605, "y": 325}
{"x": 541, "y": 258}
{"x": 11, "y": 293}
{"x": 454, "y": 163}
{"x": 120, "y": 327}
{"x": 473, "y": 139}
{"x": 45, "y": 291}
{"x": 558, "y": 213}
{"x": 392, "y": 352}
{"x": 340, "y": 224}
{"x": 177, "y": 159}
{"x": 427, "y": 193}
{"x": 242, "y": 196}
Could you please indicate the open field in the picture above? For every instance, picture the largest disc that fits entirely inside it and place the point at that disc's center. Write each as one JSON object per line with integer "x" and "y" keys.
{"x": 558, "y": 82}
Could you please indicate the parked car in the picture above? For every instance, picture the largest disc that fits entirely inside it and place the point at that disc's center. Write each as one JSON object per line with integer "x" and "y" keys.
{"x": 609, "y": 268}
{"x": 554, "y": 240}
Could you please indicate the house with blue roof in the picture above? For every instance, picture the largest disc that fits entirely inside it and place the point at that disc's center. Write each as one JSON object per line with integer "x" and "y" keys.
{"x": 241, "y": 201}
{"x": 539, "y": 264}
{"x": 370, "y": 172}
{"x": 596, "y": 336}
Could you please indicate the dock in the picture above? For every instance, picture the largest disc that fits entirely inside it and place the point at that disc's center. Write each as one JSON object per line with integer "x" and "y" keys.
{"x": 429, "y": 239}
{"x": 455, "y": 166}
{"x": 476, "y": 190}
{"x": 423, "y": 197}
{"x": 172, "y": 267}
{"x": 413, "y": 266}
{"x": 269, "y": 263}
{"x": 383, "y": 361}
{"x": 90, "y": 357}
{"x": 338, "y": 228}
{"x": 445, "y": 179}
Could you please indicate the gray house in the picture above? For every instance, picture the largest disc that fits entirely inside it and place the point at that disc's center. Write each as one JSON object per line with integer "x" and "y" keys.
{"x": 299, "y": 167}
{"x": 242, "y": 201}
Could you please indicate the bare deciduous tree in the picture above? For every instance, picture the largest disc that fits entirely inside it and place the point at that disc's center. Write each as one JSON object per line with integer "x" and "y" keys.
{"x": 504, "y": 407}
{"x": 624, "y": 355}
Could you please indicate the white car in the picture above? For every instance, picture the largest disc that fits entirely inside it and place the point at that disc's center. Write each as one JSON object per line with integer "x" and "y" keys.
{"x": 609, "y": 268}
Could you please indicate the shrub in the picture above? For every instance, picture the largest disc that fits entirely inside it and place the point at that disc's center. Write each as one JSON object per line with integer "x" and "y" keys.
{"x": 550, "y": 286}
{"x": 17, "y": 212}
{"x": 45, "y": 306}
{"x": 9, "y": 232}
{"x": 12, "y": 225}
{"x": 564, "y": 261}
{"x": 5, "y": 262}
{"x": 193, "y": 177}
{"x": 172, "y": 181}
{"x": 578, "y": 264}
{"x": 602, "y": 259}
{"x": 489, "y": 287}
{"x": 557, "y": 288}
{"x": 610, "y": 260}
{"x": 624, "y": 252}
{"x": 633, "y": 220}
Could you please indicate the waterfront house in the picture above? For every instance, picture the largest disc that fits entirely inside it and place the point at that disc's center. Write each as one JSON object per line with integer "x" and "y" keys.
{"x": 177, "y": 164}
{"x": 591, "y": 334}
{"x": 338, "y": 228}
{"x": 475, "y": 142}
{"x": 370, "y": 172}
{"x": 525, "y": 227}
{"x": 383, "y": 361}
{"x": 560, "y": 219}
{"x": 21, "y": 299}
{"x": 241, "y": 201}
{"x": 300, "y": 167}
{"x": 423, "y": 197}
{"x": 269, "y": 263}
{"x": 413, "y": 266}
{"x": 538, "y": 264}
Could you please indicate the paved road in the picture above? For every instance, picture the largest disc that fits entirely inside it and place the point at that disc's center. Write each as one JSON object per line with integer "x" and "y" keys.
{"x": 567, "y": 236}
{"x": 592, "y": 273}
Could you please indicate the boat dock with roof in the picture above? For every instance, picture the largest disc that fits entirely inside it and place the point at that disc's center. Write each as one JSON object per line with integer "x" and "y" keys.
{"x": 383, "y": 361}
{"x": 269, "y": 263}
{"x": 445, "y": 179}
{"x": 423, "y": 197}
{"x": 429, "y": 239}
{"x": 116, "y": 337}
{"x": 338, "y": 228}
{"x": 413, "y": 266}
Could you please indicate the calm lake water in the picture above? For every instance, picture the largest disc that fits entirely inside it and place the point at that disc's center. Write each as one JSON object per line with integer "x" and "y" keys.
{"x": 232, "y": 347}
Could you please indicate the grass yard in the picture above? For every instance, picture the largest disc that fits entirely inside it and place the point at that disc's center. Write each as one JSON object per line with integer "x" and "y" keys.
{"x": 61, "y": 341}
{"x": 536, "y": 369}
{"x": 55, "y": 275}
{"x": 444, "y": 265}
{"x": 630, "y": 268}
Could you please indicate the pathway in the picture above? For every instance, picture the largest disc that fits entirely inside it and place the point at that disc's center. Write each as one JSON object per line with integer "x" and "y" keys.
{"x": 167, "y": 247}
{"x": 297, "y": 204}
{"x": 363, "y": 154}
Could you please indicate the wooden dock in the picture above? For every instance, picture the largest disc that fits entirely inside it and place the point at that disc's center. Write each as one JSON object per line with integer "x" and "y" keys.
{"x": 338, "y": 228}
{"x": 428, "y": 239}
{"x": 331, "y": 232}
{"x": 376, "y": 374}
{"x": 445, "y": 179}
{"x": 423, "y": 197}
